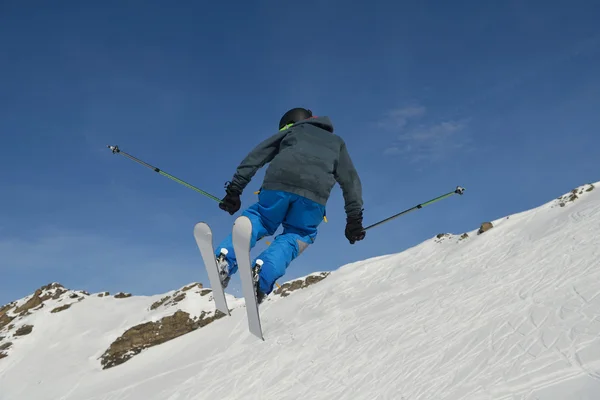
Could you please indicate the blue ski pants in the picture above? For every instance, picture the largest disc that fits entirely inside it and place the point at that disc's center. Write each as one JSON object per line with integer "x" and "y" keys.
{"x": 299, "y": 217}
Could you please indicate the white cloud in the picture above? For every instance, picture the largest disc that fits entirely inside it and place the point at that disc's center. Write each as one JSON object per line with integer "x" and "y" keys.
{"x": 430, "y": 142}
{"x": 392, "y": 151}
{"x": 399, "y": 118}
{"x": 433, "y": 133}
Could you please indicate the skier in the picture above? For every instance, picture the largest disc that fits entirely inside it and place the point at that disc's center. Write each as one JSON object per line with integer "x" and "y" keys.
{"x": 306, "y": 159}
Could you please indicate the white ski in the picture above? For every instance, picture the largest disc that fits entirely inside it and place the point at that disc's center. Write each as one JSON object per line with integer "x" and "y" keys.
{"x": 241, "y": 235}
{"x": 204, "y": 240}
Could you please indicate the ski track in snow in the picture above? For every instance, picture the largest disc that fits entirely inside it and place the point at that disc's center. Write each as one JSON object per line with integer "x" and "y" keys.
{"x": 510, "y": 314}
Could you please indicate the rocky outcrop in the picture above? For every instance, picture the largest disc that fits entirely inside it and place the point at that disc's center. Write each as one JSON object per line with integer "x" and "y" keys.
{"x": 168, "y": 301}
{"x": 143, "y": 336}
{"x": 5, "y": 346}
{"x": 464, "y": 236}
{"x": 486, "y": 226}
{"x": 193, "y": 285}
{"x": 51, "y": 291}
{"x": 24, "y": 330}
{"x": 122, "y": 295}
{"x": 568, "y": 198}
{"x": 574, "y": 194}
{"x": 35, "y": 302}
{"x": 160, "y": 302}
{"x": 11, "y": 314}
{"x": 61, "y": 308}
{"x": 179, "y": 295}
{"x": 440, "y": 237}
{"x": 6, "y": 319}
{"x": 178, "y": 298}
{"x": 103, "y": 294}
{"x": 289, "y": 287}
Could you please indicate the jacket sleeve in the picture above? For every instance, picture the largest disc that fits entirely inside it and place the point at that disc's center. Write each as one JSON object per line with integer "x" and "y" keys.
{"x": 349, "y": 181}
{"x": 256, "y": 159}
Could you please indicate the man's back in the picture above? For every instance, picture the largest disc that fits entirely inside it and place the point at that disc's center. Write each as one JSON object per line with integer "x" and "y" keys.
{"x": 306, "y": 159}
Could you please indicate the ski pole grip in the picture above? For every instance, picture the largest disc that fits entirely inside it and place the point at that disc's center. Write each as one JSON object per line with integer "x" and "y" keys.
{"x": 114, "y": 149}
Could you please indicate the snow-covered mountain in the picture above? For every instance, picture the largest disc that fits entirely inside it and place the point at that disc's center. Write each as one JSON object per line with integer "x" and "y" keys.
{"x": 510, "y": 310}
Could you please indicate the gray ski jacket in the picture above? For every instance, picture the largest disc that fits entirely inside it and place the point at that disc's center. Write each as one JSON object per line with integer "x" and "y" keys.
{"x": 306, "y": 159}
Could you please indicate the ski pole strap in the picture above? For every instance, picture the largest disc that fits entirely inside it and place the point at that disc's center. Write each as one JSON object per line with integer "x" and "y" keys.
{"x": 115, "y": 150}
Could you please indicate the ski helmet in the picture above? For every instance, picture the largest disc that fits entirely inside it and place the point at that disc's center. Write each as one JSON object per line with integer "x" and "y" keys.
{"x": 294, "y": 115}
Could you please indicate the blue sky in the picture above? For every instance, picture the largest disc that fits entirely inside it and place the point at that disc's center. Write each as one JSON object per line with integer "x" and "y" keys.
{"x": 500, "y": 98}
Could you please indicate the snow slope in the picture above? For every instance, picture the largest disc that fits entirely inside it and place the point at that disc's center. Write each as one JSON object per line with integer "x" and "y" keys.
{"x": 513, "y": 313}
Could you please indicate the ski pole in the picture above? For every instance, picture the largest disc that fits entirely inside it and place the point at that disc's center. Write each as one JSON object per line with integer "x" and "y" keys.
{"x": 459, "y": 190}
{"x": 116, "y": 150}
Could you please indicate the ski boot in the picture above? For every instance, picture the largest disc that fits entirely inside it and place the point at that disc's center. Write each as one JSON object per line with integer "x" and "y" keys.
{"x": 260, "y": 296}
{"x": 223, "y": 266}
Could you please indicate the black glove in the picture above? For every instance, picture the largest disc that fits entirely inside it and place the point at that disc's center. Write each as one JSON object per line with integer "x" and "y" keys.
{"x": 354, "y": 229}
{"x": 231, "y": 202}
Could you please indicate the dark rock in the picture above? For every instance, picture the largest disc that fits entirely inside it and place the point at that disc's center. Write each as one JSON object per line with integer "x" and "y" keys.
{"x": 24, "y": 330}
{"x": 122, "y": 295}
{"x": 61, "y": 308}
{"x": 193, "y": 285}
{"x": 5, "y": 346}
{"x": 288, "y": 287}
{"x": 168, "y": 300}
{"x": 149, "y": 334}
{"x": 159, "y": 303}
{"x": 440, "y": 237}
{"x": 33, "y": 302}
{"x": 486, "y": 226}
{"x": 178, "y": 298}
{"x": 39, "y": 297}
{"x": 5, "y": 320}
{"x": 7, "y": 307}
{"x": 574, "y": 195}
{"x": 204, "y": 292}
{"x": 51, "y": 286}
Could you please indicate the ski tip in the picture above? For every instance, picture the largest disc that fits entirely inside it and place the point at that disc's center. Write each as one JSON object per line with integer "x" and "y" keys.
{"x": 242, "y": 220}
{"x": 201, "y": 227}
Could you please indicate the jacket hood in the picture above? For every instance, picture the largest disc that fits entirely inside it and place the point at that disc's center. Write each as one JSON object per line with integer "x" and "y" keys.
{"x": 320, "y": 122}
